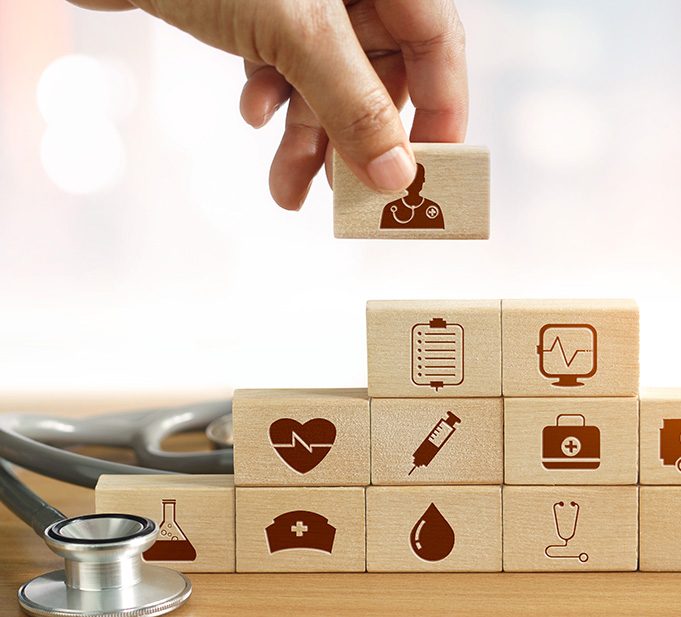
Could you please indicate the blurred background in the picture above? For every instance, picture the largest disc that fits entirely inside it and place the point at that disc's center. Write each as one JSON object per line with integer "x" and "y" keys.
{"x": 130, "y": 260}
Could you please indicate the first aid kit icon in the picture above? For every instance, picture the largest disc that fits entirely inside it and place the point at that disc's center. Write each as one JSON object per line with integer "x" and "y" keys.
{"x": 571, "y": 444}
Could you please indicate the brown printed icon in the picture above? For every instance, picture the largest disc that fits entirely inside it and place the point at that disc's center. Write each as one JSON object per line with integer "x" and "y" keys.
{"x": 300, "y": 529}
{"x": 565, "y": 519}
{"x": 568, "y": 353}
{"x": 571, "y": 444}
{"x": 435, "y": 441}
{"x": 302, "y": 446}
{"x": 432, "y": 537}
{"x": 172, "y": 543}
{"x": 670, "y": 442}
{"x": 437, "y": 354}
{"x": 413, "y": 211}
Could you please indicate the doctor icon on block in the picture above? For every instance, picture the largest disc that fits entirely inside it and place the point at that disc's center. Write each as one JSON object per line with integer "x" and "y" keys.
{"x": 413, "y": 211}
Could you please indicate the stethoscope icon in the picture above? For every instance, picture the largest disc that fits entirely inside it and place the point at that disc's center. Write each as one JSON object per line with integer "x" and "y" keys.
{"x": 431, "y": 213}
{"x": 565, "y": 530}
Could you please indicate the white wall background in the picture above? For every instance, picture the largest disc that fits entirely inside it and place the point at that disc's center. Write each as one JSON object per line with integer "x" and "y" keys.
{"x": 139, "y": 247}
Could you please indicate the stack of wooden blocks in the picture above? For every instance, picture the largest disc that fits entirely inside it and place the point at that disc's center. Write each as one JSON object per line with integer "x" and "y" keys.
{"x": 494, "y": 435}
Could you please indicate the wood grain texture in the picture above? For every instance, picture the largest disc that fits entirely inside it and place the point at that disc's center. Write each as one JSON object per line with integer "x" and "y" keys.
{"x": 402, "y": 362}
{"x": 660, "y": 531}
{"x": 615, "y": 371}
{"x": 472, "y": 512}
{"x": 258, "y": 463}
{"x": 257, "y": 508}
{"x": 204, "y": 508}
{"x": 660, "y": 441}
{"x": 530, "y": 421}
{"x": 456, "y": 180}
{"x": 24, "y": 555}
{"x": 606, "y": 530}
{"x": 473, "y": 453}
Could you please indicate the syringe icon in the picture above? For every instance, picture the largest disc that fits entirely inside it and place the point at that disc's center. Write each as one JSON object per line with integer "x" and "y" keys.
{"x": 437, "y": 438}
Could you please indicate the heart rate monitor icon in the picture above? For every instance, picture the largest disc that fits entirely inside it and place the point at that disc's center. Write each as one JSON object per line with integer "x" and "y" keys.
{"x": 302, "y": 446}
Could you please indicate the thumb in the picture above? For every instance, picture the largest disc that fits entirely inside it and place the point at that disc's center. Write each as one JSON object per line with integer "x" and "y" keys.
{"x": 327, "y": 65}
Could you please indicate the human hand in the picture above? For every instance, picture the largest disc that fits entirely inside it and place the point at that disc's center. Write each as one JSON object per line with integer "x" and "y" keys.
{"x": 346, "y": 68}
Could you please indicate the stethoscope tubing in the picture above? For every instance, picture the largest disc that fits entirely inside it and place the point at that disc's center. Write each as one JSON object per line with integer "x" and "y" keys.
{"x": 35, "y": 442}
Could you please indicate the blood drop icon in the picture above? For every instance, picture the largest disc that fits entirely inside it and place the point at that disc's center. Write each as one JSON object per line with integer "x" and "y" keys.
{"x": 432, "y": 538}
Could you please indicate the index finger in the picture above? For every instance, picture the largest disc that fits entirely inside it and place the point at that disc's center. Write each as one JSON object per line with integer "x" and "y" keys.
{"x": 432, "y": 41}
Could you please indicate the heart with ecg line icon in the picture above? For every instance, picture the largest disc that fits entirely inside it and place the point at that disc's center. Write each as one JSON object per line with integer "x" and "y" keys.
{"x": 302, "y": 446}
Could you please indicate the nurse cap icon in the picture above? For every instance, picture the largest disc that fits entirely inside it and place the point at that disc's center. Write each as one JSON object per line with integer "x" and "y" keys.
{"x": 300, "y": 529}
{"x": 413, "y": 211}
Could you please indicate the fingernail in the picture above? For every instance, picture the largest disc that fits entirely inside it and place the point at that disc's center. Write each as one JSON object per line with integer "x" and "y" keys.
{"x": 393, "y": 170}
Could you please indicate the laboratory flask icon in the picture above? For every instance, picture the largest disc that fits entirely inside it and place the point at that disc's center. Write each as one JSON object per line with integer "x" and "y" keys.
{"x": 565, "y": 519}
{"x": 568, "y": 353}
{"x": 172, "y": 543}
{"x": 432, "y": 538}
{"x": 435, "y": 441}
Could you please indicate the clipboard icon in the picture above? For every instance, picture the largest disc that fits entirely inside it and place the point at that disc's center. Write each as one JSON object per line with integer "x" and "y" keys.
{"x": 437, "y": 354}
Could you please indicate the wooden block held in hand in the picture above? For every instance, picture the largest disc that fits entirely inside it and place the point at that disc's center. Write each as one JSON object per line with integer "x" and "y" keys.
{"x": 434, "y": 348}
{"x": 448, "y": 199}
{"x": 660, "y": 535}
{"x": 570, "y": 347}
{"x": 301, "y": 437}
{"x": 571, "y": 440}
{"x": 570, "y": 528}
{"x": 660, "y": 430}
{"x": 434, "y": 529}
{"x": 195, "y": 514}
{"x": 306, "y": 529}
{"x": 436, "y": 441}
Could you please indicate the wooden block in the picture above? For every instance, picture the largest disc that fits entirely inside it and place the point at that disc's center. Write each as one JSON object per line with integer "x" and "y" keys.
{"x": 436, "y": 441}
{"x": 307, "y": 529}
{"x": 434, "y": 348}
{"x": 570, "y": 347}
{"x": 570, "y": 528}
{"x": 195, "y": 514}
{"x": 571, "y": 440}
{"x": 660, "y": 431}
{"x": 434, "y": 529}
{"x": 448, "y": 199}
{"x": 660, "y": 534}
{"x": 301, "y": 437}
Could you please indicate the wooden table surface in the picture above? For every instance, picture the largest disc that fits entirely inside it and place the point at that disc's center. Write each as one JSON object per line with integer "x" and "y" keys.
{"x": 23, "y": 555}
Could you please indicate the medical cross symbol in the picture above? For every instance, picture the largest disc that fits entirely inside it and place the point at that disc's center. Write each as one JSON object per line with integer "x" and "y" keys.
{"x": 571, "y": 446}
{"x": 299, "y": 529}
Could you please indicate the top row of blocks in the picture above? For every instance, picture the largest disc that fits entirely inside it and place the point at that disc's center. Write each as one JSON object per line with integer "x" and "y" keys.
{"x": 489, "y": 348}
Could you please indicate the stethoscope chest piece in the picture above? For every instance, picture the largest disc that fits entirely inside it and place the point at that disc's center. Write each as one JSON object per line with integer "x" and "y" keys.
{"x": 103, "y": 574}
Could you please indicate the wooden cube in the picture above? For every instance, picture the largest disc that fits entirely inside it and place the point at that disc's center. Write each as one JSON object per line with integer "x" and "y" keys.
{"x": 307, "y": 529}
{"x": 570, "y": 347}
{"x": 571, "y": 440}
{"x": 436, "y": 441}
{"x": 660, "y": 431}
{"x": 448, "y": 198}
{"x": 301, "y": 437}
{"x": 434, "y": 348}
{"x": 570, "y": 528}
{"x": 434, "y": 529}
{"x": 660, "y": 535}
{"x": 195, "y": 514}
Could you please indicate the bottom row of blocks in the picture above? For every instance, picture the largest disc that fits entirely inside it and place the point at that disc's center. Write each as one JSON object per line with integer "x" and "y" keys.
{"x": 407, "y": 528}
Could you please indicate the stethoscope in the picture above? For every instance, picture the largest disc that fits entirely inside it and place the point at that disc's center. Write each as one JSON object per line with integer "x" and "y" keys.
{"x": 104, "y": 575}
{"x": 565, "y": 532}
{"x": 412, "y": 213}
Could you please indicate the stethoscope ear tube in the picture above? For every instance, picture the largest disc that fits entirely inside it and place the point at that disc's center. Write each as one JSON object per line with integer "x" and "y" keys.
{"x": 23, "y": 502}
